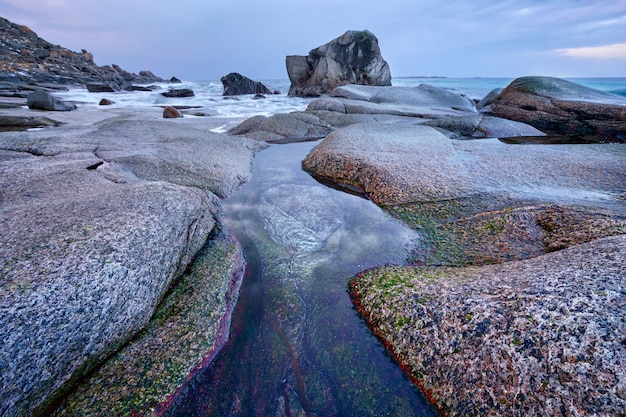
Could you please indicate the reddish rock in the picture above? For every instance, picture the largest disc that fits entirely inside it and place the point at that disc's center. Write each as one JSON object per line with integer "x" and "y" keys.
{"x": 563, "y": 108}
{"x": 106, "y": 102}
{"x": 170, "y": 112}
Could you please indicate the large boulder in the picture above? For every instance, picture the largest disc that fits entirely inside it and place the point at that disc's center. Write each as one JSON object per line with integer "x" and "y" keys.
{"x": 236, "y": 84}
{"x": 40, "y": 100}
{"x": 563, "y": 108}
{"x": 98, "y": 224}
{"x": 543, "y": 336}
{"x": 353, "y": 58}
{"x": 283, "y": 128}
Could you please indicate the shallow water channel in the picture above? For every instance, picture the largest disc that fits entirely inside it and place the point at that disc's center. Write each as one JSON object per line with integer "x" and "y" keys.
{"x": 297, "y": 347}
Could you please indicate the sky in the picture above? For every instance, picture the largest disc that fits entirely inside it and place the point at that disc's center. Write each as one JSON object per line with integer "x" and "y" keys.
{"x": 206, "y": 39}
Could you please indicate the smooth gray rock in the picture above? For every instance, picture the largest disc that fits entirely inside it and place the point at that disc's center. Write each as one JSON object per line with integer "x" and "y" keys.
{"x": 350, "y": 104}
{"x": 97, "y": 223}
{"x": 478, "y": 126}
{"x": 283, "y": 128}
{"x": 489, "y": 98}
{"x": 105, "y": 87}
{"x": 394, "y": 164}
{"x": 353, "y": 58}
{"x": 424, "y": 101}
{"x": 9, "y": 121}
{"x": 40, "y": 100}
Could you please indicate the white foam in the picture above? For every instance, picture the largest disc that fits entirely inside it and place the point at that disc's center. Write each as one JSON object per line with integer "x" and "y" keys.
{"x": 208, "y": 96}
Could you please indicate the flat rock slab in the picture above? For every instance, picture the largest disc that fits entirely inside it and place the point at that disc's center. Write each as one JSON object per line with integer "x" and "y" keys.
{"x": 398, "y": 164}
{"x": 92, "y": 242}
{"x": 544, "y": 336}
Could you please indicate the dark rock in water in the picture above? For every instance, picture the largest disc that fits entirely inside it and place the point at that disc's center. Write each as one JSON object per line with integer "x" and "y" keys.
{"x": 28, "y": 58}
{"x": 104, "y": 87}
{"x": 258, "y": 96}
{"x": 142, "y": 88}
{"x": 178, "y": 92}
{"x": 170, "y": 112}
{"x": 353, "y": 58}
{"x": 560, "y": 107}
{"x": 175, "y": 80}
{"x": 106, "y": 102}
{"x": 40, "y": 100}
{"x": 236, "y": 84}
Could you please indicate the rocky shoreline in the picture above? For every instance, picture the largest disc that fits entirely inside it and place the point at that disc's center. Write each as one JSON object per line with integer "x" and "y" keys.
{"x": 113, "y": 254}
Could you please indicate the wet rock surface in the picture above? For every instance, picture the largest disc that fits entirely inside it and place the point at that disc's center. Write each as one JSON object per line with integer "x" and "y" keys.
{"x": 298, "y": 345}
{"x": 98, "y": 222}
{"x": 454, "y": 115}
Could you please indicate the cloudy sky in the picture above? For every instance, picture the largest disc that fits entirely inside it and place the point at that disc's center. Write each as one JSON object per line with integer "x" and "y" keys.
{"x": 206, "y": 39}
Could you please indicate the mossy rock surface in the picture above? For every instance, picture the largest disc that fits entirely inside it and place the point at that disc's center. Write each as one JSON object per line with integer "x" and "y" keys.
{"x": 543, "y": 336}
{"x": 187, "y": 330}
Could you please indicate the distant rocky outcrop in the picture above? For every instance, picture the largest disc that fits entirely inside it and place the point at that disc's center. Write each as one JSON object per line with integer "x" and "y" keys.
{"x": 27, "y": 58}
{"x": 236, "y": 84}
{"x": 562, "y": 108}
{"x": 353, "y": 58}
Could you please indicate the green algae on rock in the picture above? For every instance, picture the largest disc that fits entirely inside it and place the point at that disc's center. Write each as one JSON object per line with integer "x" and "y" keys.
{"x": 185, "y": 332}
{"x": 493, "y": 236}
{"x": 542, "y": 336}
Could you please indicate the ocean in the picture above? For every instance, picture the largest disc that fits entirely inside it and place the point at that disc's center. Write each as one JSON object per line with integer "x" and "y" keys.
{"x": 208, "y": 94}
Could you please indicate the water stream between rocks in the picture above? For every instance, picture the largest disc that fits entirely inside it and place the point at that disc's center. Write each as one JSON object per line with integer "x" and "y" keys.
{"x": 297, "y": 347}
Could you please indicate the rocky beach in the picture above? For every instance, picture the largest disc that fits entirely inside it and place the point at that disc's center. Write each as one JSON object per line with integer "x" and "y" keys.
{"x": 120, "y": 277}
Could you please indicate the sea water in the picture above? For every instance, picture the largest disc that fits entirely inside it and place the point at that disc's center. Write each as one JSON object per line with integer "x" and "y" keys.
{"x": 208, "y": 94}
